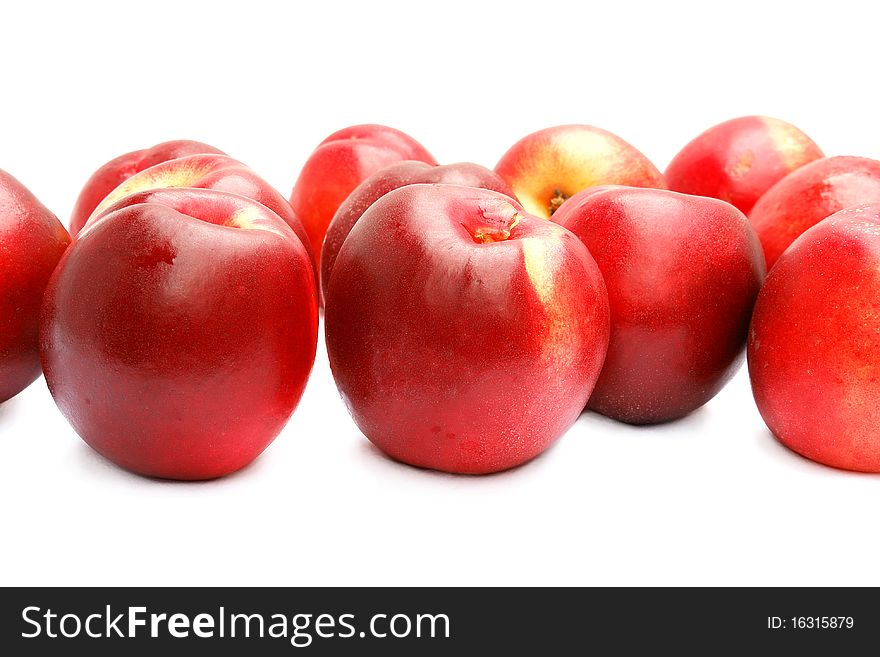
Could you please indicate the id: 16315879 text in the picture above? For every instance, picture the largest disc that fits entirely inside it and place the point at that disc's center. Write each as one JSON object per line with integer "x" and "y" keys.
{"x": 810, "y": 623}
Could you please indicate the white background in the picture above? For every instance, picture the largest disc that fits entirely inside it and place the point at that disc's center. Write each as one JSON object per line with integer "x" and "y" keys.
{"x": 712, "y": 499}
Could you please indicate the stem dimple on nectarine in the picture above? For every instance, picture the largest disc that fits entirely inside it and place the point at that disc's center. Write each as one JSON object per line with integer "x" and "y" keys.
{"x": 558, "y": 199}
{"x": 493, "y": 223}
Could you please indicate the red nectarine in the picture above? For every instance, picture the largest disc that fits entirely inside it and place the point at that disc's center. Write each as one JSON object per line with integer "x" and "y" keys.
{"x": 464, "y": 334}
{"x": 339, "y": 164}
{"x": 682, "y": 274}
{"x": 739, "y": 160}
{"x": 179, "y": 330}
{"x": 809, "y": 194}
{"x": 32, "y": 240}
{"x": 814, "y": 343}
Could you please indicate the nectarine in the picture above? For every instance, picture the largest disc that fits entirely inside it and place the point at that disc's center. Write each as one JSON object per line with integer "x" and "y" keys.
{"x": 739, "y": 160}
{"x": 809, "y": 194}
{"x": 179, "y": 330}
{"x": 32, "y": 241}
{"x": 339, "y": 164}
{"x": 549, "y": 166}
{"x": 464, "y": 334}
{"x": 682, "y": 274}
{"x": 814, "y": 343}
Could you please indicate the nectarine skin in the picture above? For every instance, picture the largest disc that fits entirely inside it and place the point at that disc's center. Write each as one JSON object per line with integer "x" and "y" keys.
{"x": 32, "y": 241}
{"x": 739, "y": 160}
{"x": 814, "y": 343}
{"x": 808, "y": 195}
{"x": 179, "y": 330}
{"x": 339, "y": 164}
{"x": 547, "y": 167}
{"x": 121, "y": 168}
{"x": 464, "y": 334}
{"x": 206, "y": 171}
{"x": 408, "y": 172}
{"x": 682, "y": 274}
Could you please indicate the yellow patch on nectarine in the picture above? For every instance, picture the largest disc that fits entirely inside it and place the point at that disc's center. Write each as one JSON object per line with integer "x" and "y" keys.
{"x": 540, "y": 267}
{"x": 743, "y": 164}
{"x": 250, "y": 218}
{"x": 789, "y": 142}
{"x": 180, "y": 174}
